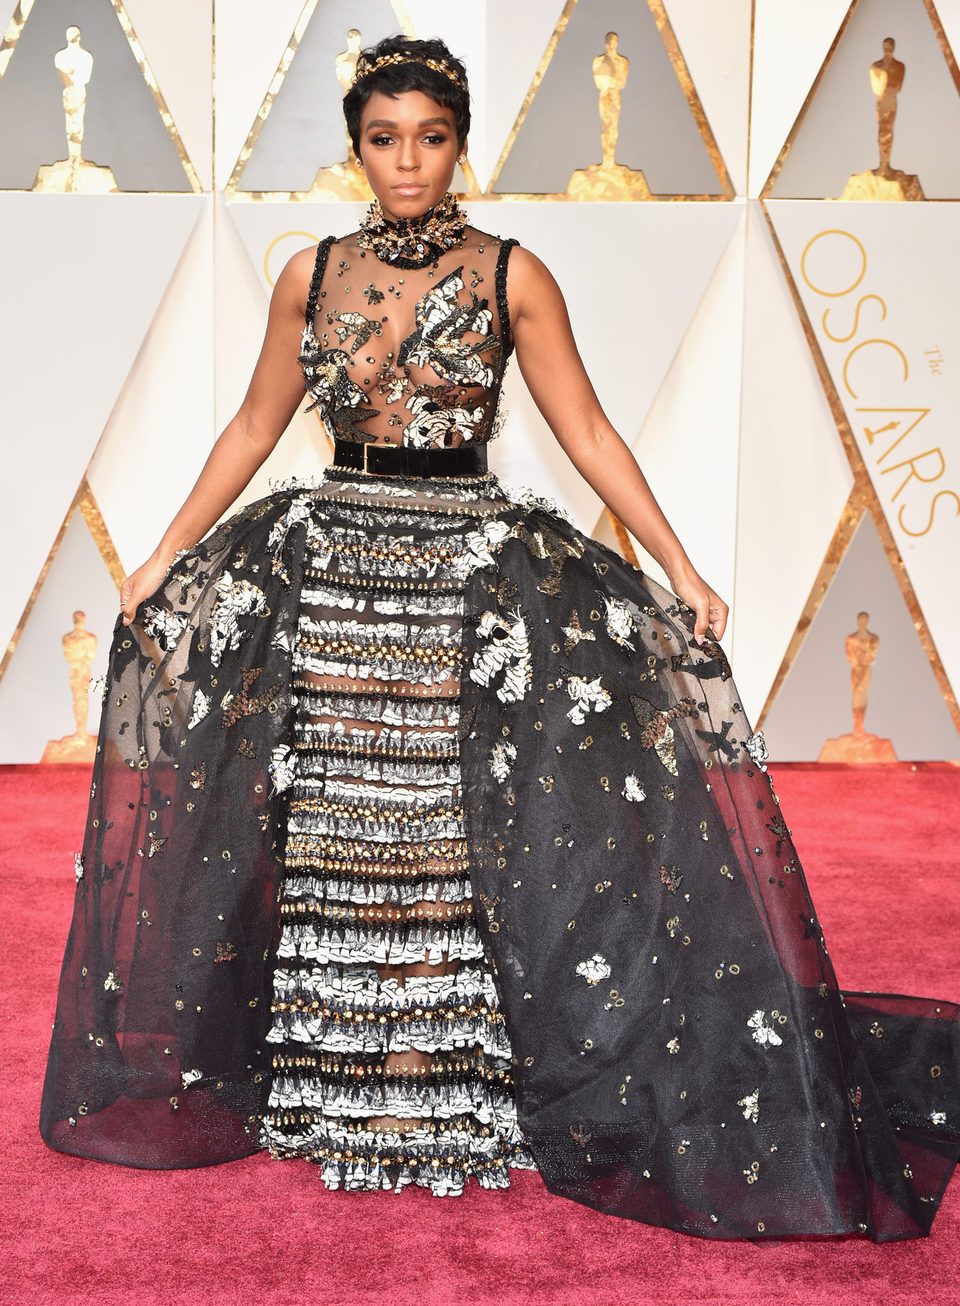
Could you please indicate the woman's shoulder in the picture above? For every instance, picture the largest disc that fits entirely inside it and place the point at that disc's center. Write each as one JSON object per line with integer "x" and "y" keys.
{"x": 520, "y": 259}
{"x": 526, "y": 273}
{"x": 516, "y": 264}
{"x": 301, "y": 265}
{"x": 522, "y": 278}
{"x": 480, "y": 239}
{"x": 299, "y": 273}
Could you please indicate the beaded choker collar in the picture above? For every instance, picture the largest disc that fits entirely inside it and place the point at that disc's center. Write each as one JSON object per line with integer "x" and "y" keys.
{"x": 414, "y": 242}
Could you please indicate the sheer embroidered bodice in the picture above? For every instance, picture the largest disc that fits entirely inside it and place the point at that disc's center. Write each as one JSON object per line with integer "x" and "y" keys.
{"x": 410, "y": 356}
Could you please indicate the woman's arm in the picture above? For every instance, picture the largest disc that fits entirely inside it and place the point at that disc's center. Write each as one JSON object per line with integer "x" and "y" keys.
{"x": 555, "y": 375}
{"x": 275, "y": 390}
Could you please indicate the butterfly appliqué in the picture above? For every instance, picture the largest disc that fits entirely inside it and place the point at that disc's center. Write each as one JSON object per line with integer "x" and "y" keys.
{"x": 763, "y": 1033}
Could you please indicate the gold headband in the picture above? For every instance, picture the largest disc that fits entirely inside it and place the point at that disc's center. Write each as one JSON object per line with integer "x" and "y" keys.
{"x": 437, "y": 65}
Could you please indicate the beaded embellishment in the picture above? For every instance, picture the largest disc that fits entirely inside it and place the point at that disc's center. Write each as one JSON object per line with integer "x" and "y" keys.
{"x": 414, "y": 242}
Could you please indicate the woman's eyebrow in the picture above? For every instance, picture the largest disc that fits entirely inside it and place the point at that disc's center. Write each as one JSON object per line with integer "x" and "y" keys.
{"x": 424, "y": 122}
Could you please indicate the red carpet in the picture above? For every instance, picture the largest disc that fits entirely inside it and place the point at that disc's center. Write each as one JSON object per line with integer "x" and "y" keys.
{"x": 880, "y": 850}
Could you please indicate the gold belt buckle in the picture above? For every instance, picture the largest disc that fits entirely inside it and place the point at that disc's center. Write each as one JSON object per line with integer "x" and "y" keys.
{"x": 388, "y": 470}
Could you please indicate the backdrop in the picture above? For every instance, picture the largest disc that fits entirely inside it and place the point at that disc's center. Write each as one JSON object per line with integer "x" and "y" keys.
{"x": 784, "y": 184}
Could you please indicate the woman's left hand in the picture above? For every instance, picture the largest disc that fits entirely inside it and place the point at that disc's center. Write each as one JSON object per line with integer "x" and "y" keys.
{"x": 710, "y": 608}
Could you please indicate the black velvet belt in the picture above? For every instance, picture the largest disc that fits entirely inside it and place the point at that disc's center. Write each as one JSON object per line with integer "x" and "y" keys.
{"x": 403, "y": 460}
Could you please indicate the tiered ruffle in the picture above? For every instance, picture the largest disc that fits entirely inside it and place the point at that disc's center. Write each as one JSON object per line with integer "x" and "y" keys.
{"x": 377, "y": 871}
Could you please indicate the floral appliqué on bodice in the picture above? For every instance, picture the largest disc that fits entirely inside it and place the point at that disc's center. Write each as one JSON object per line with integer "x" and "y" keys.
{"x": 408, "y": 356}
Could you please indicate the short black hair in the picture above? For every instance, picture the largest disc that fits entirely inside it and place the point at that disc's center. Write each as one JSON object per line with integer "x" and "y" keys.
{"x": 394, "y": 79}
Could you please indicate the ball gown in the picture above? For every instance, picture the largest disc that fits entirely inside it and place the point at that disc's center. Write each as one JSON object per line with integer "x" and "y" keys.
{"x": 424, "y": 843}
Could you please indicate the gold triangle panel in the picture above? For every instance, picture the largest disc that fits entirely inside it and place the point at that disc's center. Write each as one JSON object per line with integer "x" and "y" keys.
{"x": 80, "y": 109}
{"x": 97, "y": 528}
{"x": 48, "y": 708}
{"x": 612, "y": 114}
{"x": 860, "y": 688}
{"x": 298, "y": 145}
{"x": 875, "y": 123}
{"x": 846, "y": 527}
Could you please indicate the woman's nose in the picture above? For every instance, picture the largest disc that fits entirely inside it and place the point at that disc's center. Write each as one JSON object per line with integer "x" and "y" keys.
{"x": 409, "y": 156}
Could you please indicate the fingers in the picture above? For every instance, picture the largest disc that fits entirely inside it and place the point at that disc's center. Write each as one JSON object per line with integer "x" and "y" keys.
{"x": 711, "y": 617}
{"x": 702, "y": 622}
{"x": 127, "y": 606}
{"x": 717, "y": 612}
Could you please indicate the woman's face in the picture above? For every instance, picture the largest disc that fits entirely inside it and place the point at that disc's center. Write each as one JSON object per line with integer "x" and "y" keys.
{"x": 409, "y": 148}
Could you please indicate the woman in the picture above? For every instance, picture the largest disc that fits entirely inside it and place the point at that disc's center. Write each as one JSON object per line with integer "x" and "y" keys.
{"x": 427, "y": 837}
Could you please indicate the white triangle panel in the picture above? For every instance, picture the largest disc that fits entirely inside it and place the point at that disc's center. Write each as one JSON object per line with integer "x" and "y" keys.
{"x": 245, "y": 233}
{"x": 464, "y": 29}
{"x": 794, "y": 475}
{"x": 162, "y": 426}
{"x": 516, "y": 38}
{"x": 789, "y": 48}
{"x": 251, "y": 39}
{"x": 83, "y": 279}
{"x": 895, "y": 327}
{"x": 715, "y": 42}
{"x": 272, "y": 231}
{"x": 177, "y": 39}
{"x": 949, "y": 14}
{"x": 632, "y": 276}
{"x": 687, "y": 448}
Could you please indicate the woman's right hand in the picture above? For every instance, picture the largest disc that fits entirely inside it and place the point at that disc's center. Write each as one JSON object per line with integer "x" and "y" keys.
{"x": 140, "y": 584}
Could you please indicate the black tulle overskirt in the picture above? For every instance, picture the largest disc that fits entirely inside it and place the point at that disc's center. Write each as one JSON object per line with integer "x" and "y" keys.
{"x": 682, "y": 1053}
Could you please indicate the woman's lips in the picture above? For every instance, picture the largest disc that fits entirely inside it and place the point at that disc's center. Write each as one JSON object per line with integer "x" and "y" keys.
{"x": 410, "y": 188}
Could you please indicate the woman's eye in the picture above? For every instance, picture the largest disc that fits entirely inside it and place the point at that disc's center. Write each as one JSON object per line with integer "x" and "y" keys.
{"x": 434, "y": 138}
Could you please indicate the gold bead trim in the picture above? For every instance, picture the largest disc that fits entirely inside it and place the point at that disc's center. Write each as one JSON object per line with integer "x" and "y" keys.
{"x": 354, "y": 870}
{"x": 318, "y": 684}
{"x": 456, "y": 911}
{"x": 398, "y": 851}
{"x": 352, "y": 650}
{"x": 394, "y": 814}
{"x": 438, "y": 1014}
{"x": 455, "y": 510}
{"x": 335, "y": 1064}
{"x": 397, "y": 552}
{"x": 426, "y": 585}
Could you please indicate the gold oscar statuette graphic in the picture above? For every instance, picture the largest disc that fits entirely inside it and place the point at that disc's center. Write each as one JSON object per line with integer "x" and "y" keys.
{"x": 609, "y": 180}
{"x": 73, "y": 174}
{"x": 79, "y": 649}
{"x": 344, "y": 180}
{"x": 885, "y": 182}
{"x": 861, "y": 648}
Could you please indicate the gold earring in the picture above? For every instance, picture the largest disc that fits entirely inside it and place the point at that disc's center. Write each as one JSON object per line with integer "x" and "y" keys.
{"x": 358, "y": 162}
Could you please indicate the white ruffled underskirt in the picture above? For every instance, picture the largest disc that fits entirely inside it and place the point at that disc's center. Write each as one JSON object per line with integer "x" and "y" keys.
{"x": 374, "y": 821}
